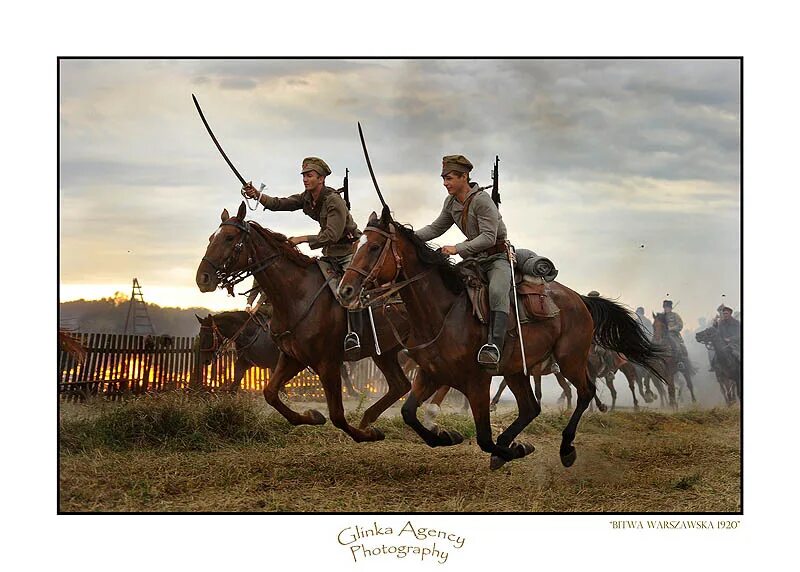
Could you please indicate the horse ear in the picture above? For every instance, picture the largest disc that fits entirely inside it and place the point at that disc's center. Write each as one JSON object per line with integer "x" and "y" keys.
{"x": 199, "y": 319}
{"x": 373, "y": 218}
{"x": 654, "y": 315}
{"x": 225, "y": 215}
{"x": 242, "y": 211}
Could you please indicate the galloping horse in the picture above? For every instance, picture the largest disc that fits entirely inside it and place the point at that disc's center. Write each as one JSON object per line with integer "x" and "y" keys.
{"x": 669, "y": 365}
{"x": 727, "y": 368}
{"x": 445, "y": 337}
{"x": 308, "y": 323}
{"x": 605, "y": 364}
{"x": 251, "y": 338}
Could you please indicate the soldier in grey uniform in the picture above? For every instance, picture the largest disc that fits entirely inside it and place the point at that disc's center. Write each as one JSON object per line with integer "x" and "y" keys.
{"x": 475, "y": 214}
{"x": 645, "y": 322}
{"x": 338, "y": 232}
{"x": 730, "y": 330}
{"x": 674, "y": 327}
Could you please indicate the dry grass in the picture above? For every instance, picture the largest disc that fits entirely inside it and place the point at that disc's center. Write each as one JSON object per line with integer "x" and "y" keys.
{"x": 171, "y": 454}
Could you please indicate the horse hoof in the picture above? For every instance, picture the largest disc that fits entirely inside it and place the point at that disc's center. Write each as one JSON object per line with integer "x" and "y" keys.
{"x": 493, "y": 407}
{"x": 377, "y": 434}
{"x": 602, "y": 407}
{"x": 448, "y": 438}
{"x": 523, "y": 449}
{"x": 496, "y": 462}
{"x": 568, "y": 459}
{"x": 317, "y": 418}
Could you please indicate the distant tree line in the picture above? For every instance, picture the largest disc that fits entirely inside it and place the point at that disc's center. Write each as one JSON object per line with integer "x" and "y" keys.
{"x": 108, "y": 315}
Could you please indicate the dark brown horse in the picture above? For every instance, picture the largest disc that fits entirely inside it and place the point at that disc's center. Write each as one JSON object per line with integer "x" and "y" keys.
{"x": 605, "y": 364}
{"x": 250, "y": 335}
{"x": 445, "y": 337}
{"x": 668, "y": 367}
{"x": 308, "y": 323}
{"x": 727, "y": 368}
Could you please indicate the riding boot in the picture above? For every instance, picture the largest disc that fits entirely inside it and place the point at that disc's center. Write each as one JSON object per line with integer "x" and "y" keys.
{"x": 489, "y": 354}
{"x": 352, "y": 342}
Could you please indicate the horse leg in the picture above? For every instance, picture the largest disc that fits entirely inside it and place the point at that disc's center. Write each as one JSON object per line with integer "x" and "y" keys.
{"x": 630, "y": 374}
{"x": 285, "y": 370}
{"x": 348, "y": 383}
{"x": 578, "y": 374}
{"x": 566, "y": 390}
{"x": 612, "y": 389}
{"x": 239, "y": 368}
{"x": 330, "y": 378}
{"x": 398, "y": 387}
{"x": 421, "y": 389}
{"x": 434, "y": 406}
{"x": 527, "y": 410}
{"x": 478, "y": 395}
{"x": 496, "y": 398}
{"x": 688, "y": 377}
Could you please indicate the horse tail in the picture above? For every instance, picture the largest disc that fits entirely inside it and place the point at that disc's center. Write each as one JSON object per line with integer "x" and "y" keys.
{"x": 616, "y": 329}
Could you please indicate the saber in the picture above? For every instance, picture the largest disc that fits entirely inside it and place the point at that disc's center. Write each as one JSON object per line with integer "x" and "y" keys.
{"x": 511, "y": 259}
{"x": 369, "y": 166}
{"x": 219, "y": 147}
{"x": 374, "y": 333}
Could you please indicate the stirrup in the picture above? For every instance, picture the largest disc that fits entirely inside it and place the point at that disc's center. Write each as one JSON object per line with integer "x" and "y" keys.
{"x": 351, "y": 342}
{"x": 489, "y": 355}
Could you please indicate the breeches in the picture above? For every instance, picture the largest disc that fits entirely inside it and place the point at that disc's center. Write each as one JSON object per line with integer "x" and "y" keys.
{"x": 499, "y": 273}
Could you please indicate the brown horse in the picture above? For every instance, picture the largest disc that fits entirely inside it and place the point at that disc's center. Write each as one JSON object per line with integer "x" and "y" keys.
{"x": 668, "y": 366}
{"x": 250, "y": 335}
{"x": 308, "y": 323}
{"x": 445, "y": 336}
{"x": 605, "y": 364}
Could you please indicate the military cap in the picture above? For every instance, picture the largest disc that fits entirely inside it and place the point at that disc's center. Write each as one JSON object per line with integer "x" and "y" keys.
{"x": 316, "y": 164}
{"x": 640, "y": 308}
{"x": 457, "y": 163}
{"x": 723, "y": 307}
{"x": 667, "y": 303}
{"x": 593, "y": 293}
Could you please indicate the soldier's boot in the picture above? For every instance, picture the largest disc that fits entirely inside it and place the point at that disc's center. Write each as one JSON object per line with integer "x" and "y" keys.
{"x": 351, "y": 341}
{"x": 490, "y": 353}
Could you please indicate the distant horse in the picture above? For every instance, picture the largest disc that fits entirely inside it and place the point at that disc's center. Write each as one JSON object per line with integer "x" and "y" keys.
{"x": 669, "y": 366}
{"x": 445, "y": 337}
{"x": 254, "y": 346}
{"x": 72, "y": 346}
{"x": 308, "y": 323}
{"x": 605, "y": 364}
{"x": 727, "y": 368}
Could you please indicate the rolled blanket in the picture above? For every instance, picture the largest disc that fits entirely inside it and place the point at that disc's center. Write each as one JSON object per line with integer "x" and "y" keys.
{"x": 530, "y": 263}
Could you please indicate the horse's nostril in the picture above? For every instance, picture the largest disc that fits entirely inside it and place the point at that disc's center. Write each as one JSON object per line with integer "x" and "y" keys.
{"x": 205, "y": 278}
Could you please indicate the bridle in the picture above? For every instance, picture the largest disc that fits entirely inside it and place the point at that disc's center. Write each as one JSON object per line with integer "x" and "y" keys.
{"x": 382, "y": 293}
{"x": 220, "y": 342}
{"x": 227, "y": 279}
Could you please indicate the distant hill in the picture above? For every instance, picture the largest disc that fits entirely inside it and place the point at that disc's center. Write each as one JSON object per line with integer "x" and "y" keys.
{"x": 108, "y": 316}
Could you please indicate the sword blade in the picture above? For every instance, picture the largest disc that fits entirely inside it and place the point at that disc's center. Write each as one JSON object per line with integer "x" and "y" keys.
{"x": 369, "y": 165}
{"x": 214, "y": 139}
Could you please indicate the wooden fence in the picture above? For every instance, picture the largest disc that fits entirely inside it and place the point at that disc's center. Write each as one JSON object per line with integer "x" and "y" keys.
{"x": 119, "y": 364}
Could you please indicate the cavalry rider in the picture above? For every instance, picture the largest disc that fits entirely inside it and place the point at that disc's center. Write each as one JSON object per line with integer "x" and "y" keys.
{"x": 475, "y": 214}
{"x": 257, "y": 301}
{"x": 674, "y": 327}
{"x": 730, "y": 330}
{"x": 645, "y": 322}
{"x": 338, "y": 232}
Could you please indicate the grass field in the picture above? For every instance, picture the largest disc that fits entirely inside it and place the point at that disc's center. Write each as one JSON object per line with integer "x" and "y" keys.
{"x": 171, "y": 453}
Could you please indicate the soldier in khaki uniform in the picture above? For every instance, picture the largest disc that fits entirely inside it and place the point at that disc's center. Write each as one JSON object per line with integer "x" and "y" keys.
{"x": 475, "y": 214}
{"x": 674, "y": 327}
{"x": 337, "y": 231}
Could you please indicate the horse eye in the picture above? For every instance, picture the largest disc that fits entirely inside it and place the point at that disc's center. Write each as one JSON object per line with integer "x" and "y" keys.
{"x": 229, "y": 238}
{"x": 373, "y": 247}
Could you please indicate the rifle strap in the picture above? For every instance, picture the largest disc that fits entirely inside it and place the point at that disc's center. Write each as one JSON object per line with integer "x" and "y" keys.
{"x": 465, "y": 212}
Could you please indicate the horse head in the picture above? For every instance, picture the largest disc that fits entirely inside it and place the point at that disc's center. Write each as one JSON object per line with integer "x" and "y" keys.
{"x": 209, "y": 339}
{"x": 659, "y": 326}
{"x": 707, "y": 336}
{"x": 226, "y": 252}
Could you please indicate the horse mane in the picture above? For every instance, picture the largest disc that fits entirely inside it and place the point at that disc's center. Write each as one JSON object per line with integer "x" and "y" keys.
{"x": 281, "y": 242}
{"x": 450, "y": 273}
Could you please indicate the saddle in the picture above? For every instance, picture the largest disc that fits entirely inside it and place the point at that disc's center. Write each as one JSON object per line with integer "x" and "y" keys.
{"x": 532, "y": 292}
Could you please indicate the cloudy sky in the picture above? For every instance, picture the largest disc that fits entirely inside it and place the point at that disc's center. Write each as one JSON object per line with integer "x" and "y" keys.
{"x": 597, "y": 158}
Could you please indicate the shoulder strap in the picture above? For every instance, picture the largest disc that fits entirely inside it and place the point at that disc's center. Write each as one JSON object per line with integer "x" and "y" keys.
{"x": 465, "y": 212}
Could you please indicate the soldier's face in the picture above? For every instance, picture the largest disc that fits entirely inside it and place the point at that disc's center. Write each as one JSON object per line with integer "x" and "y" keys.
{"x": 455, "y": 182}
{"x": 312, "y": 180}
{"x": 726, "y": 314}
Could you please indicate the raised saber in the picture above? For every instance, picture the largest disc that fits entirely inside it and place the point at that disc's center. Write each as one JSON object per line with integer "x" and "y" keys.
{"x": 511, "y": 259}
{"x": 369, "y": 166}
{"x": 219, "y": 147}
{"x": 374, "y": 333}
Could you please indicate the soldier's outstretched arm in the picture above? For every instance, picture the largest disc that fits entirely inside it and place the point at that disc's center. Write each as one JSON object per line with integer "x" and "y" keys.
{"x": 438, "y": 227}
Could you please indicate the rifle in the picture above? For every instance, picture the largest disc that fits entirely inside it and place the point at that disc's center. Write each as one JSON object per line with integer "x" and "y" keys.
{"x": 345, "y": 190}
{"x": 496, "y": 181}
